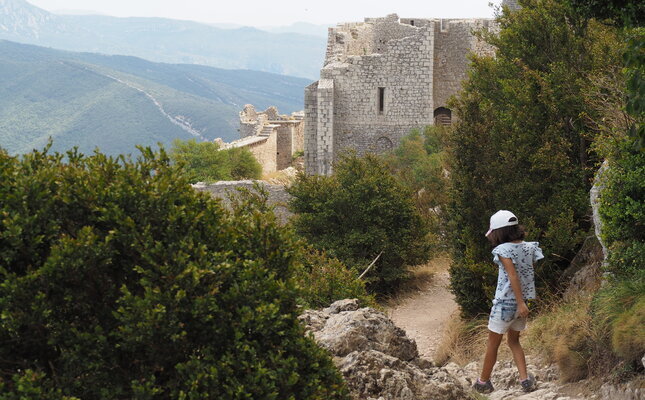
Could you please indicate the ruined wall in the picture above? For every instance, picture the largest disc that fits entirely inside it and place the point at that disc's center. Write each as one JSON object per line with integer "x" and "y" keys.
{"x": 311, "y": 128}
{"x": 290, "y": 140}
{"x": 454, "y": 41}
{"x": 265, "y": 151}
{"x": 404, "y": 71}
{"x": 381, "y": 79}
{"x": 278, "y": 196}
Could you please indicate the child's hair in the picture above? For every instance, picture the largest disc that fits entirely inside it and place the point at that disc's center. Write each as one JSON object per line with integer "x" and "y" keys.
{"x": 506, "y": 234}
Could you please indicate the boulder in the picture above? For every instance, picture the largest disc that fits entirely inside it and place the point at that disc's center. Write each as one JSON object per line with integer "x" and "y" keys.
{"x": 376, "y": 358}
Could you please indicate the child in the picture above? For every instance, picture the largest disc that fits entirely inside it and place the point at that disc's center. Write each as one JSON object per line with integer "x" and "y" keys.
{"x": 515, "y": 285}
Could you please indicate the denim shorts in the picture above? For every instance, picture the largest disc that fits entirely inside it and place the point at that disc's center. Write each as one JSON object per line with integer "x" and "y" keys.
{"x": 503, "y": 316}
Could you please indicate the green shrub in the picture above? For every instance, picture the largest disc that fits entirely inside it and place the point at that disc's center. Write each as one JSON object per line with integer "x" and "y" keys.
{"x": 622, "y": 210}
{"x": 120, "y": 281}
{"x": 324, "y": 280}
{"x": 205, "y": 162}
{"x": 357, "y": 213}
{"x": 522, "y": 141}
{"x": 419, "y": 162}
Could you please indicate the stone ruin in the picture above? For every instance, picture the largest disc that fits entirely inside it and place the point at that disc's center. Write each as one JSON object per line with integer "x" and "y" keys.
{"x": 382, "y": 78}
{"x": 273, "y": 139}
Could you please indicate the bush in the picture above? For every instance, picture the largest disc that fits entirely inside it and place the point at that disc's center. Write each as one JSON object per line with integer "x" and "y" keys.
{"x": 205, "y": 162}
{"x": 622, "y": 210}
{"x": 522, "y": 142}
{"x": 120, "y": 281}
{"x": 419, "y": 162}
{"x": 359, "y": 212}
{"x": 324, "y": 280}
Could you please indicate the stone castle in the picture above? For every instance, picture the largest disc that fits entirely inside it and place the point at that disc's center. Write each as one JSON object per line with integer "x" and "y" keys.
{"x": 382, "y": 78}
{"x": 272, "y": 138}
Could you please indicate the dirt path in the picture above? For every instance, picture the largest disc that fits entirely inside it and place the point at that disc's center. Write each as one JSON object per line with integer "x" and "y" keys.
{"x": 425, "y": 314}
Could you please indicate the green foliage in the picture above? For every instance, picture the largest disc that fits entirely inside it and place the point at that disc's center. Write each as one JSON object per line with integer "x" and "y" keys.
{"x": 117, "y": 280}
{"x": 621, "y": 12}
{"x": 205, "y": 162}
{"x": 324, "y": 280}
{"x": 357, "y": 213}
{"x": 522, "y": 142}
{"x": 622, "y": 209}
{"x": 420, "y": 164}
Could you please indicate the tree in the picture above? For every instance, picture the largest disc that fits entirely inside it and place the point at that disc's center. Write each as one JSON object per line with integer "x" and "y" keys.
{"x": 359, "y": 212}
{"x": 419, "y": 162}
{"x": 206, "y": 162}
{"x": 523, "y": 142}
{"x": 120, "y": 281}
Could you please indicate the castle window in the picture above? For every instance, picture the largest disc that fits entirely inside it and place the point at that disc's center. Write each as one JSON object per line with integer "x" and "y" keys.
{"x": 412, "y": 22}
{"x": 442, "y": 116}
{"x": 381, "y": 100}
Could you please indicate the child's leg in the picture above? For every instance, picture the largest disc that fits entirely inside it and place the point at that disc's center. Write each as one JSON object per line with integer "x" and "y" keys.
{"x": 494, "y": 339}
{"x": 513, "y": 340}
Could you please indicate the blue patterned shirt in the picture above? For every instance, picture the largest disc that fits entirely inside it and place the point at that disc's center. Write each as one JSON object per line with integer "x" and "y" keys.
{"x": 523, "y": 255}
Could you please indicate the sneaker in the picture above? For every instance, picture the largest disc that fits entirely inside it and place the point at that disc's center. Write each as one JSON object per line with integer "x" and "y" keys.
{"x": 528, "y": 384}
{"x": 483, "y": 387}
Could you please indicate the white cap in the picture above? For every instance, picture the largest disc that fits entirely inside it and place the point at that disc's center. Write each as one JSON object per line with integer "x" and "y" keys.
{"x": 501, "y": 219}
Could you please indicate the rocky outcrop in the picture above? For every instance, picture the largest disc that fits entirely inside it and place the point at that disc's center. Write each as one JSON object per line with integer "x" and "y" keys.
{"x": 376, "y": 358}
{"x": 584, "y": 274}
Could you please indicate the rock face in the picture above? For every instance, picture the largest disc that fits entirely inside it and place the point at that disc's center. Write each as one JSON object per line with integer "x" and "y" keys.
{"x": 377, "y": 359}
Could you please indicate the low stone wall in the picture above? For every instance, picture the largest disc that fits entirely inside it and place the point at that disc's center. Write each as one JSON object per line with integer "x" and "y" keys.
{"x": 278, "y": 196}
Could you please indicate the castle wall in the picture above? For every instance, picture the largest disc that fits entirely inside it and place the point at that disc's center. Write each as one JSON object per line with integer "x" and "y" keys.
{"x": 454, "y": 41}
{"x": 311, "y": 128}
{"x": 265, "y": 151}
{"x": 403, "y": 70}
{"x": 381, "y": 79}
{"x": 325, "y": 126}
{"x": 289, "y": 141}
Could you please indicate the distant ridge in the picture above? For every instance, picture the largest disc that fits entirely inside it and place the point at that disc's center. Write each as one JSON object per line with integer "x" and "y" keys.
{"x": 164, "y": 40}
{"x": 116, "y": 102}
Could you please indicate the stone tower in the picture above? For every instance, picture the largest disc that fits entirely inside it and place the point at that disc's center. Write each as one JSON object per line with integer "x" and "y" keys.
{"x": 382, "y": 78}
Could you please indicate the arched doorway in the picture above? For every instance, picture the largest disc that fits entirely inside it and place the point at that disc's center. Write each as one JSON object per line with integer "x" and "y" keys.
{"x": 442, "y": 116}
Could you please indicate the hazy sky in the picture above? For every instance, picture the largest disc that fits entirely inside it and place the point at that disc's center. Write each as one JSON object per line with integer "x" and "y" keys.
{"x": 277, "y": 12}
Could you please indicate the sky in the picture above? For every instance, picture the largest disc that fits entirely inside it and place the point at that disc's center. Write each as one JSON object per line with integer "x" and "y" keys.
{"x": 276, "y": 12}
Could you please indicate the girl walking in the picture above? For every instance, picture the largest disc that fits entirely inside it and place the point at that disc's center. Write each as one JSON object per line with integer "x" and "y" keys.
{"x": 515, "y": 286}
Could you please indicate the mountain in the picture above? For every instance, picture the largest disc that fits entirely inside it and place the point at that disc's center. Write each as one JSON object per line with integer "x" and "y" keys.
{"x": 117, "y": 102}
{"x": 304, "y": 28}
{"x": 164, "y": 40}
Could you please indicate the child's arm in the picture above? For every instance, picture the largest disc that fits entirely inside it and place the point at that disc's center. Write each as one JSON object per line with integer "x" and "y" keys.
{"x": 522, "y": 309}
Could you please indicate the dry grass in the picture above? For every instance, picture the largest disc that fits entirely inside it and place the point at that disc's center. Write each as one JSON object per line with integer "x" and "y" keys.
{"x": 463, "y": 341}
{"x": 566, "y": 334}
{"x": 284, "y": 177}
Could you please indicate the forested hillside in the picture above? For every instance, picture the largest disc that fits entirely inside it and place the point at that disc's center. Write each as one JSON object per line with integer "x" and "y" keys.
{"x": 116, "y": 102}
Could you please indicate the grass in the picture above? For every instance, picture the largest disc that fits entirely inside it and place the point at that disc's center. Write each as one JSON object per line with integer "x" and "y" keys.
{"x": 284, "y": 177}
{"x": 593, "y": 335}
{"x": 464, "y": 342}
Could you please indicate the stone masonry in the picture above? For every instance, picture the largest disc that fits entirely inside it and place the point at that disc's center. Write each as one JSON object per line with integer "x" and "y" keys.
{"x": 381, "y": 79}
{"x": 272, "y": 138}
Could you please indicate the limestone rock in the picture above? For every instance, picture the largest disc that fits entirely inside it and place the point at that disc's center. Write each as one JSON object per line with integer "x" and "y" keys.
{"x": 376, "y": 358}
{"x": 361, "y": 330}
{"x": 372, "y": 374}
